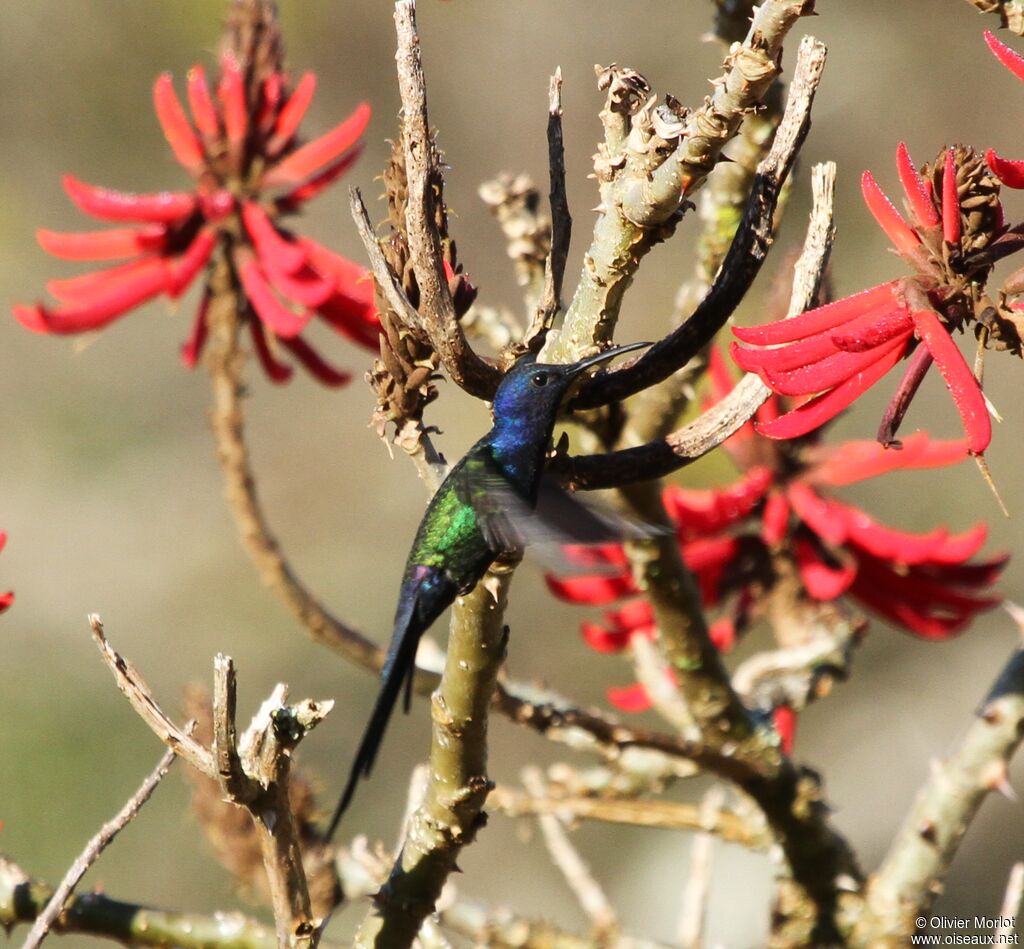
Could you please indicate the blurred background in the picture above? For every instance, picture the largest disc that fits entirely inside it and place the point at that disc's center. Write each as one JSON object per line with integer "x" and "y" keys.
{"x": 112, "y": 499}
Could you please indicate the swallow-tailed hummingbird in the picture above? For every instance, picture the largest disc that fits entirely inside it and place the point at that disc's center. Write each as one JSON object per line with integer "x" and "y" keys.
{"x": 494, "y": 501}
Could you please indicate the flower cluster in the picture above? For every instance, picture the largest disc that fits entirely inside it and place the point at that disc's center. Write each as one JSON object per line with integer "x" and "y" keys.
{"x": 779, "y": 521}
{"x": 836, "y": 352}
{"x": 6, "y": 599}
{"x": 242, "y": 149}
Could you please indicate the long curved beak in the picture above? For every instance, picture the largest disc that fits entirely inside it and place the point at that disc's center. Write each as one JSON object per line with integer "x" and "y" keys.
{"x": 607, "y": 355}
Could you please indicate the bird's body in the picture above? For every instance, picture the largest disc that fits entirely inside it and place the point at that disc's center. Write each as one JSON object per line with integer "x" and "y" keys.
{"x": 493, "y": 502}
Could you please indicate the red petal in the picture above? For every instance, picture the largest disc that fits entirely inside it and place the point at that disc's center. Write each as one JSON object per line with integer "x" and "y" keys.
{"x": 722, "y": 634}
{"x": 950, "y": 202}
{"x": 1011, "y": 59}
{"x": 85, "y": 287}
{"x": 832, "y": 370}
{"x": 277, "y": 371}
{"x": 595, "y": 555}
{"x": 817, "y": 411}
{"x": 594, "y": 590}
{"x": 784, "y": 720}
{"x": 100, "y": 309}
{"x": 271, "y": 245}
{"x": 637, "y": 616}
{"x": 878, "y": 299}
{"x": 316, "y": 184}
{"x": 859, "y": 460}
{"x": 185, "y": 268}
{"x": 315, "y": 364}
{"x": 889, "y": 219}
{"x": 165, "y": 207}
{"x": 203, "y": 110}
{"x": 305, "y": 287}
{"x": 630, "y": 698}
{"x": 959, "y": 379}
{"x": 961, "y": 547}
{"x": 886, "y": 543}
{"x": 308, "y": 160}
{"x": 707, "y": 512}
{"x": 981, "y": 574}
{"x": 3, "y": 539}
{"x": 918, "y": 196}
{"x": 822, "y": 581}
{"x": 708, "y": 553}
{"x": 294, "y": 111}
{"x": 5, "y": 601}
{"x": 231, "y": 91}
{"x": 278, "y": 318}
{"x": 607, "y": 641}
{"x": 103, "y": 245}
{"x": 193, "y": 347}
{"x": 775, "y": 519}
{"x": 1010, "y": 173}
{"x": 823, "y": 516}
{"x": 859, "y": 336}
{"x": 177, "y": 129}
{"x": 270, "y": 102}
{"x": 722, "y": 382}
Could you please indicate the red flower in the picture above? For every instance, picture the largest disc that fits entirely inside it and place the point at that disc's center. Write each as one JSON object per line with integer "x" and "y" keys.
{"x": 241, "y": 147}
{"x": 6, "y": 599}
{"x": 832, "y": 354}
{"x": 1010, "y": 173}
{"x": 780, "y": 520}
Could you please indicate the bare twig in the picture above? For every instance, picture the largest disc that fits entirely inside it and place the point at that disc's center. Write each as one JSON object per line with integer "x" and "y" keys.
{"x": 561, "y": 221}
{"x": 566, "y": 857}
{"x": 1010, "y": 908}
{"x": 45, "y": 920}
{"x": 919, "y": 858}
{"x": 451, "y": 814}
{"x": 693, "y": 916}
{"x": 437, "y": 310}
{"x": 133, "y": 686}
{"x": 653, "y": 814}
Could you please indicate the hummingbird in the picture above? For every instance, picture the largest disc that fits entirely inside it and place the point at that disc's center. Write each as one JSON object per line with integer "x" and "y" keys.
{"x": 495, "y": 501}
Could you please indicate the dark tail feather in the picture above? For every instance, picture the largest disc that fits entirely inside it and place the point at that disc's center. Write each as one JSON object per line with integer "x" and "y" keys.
{"x": 399, "y": 668}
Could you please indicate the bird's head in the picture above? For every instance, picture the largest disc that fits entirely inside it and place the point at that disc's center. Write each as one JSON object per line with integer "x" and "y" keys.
{"x": 533, "y": 390}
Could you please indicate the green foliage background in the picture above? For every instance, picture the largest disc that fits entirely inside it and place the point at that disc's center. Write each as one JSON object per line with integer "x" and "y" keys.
{"x": 112, "y": 499}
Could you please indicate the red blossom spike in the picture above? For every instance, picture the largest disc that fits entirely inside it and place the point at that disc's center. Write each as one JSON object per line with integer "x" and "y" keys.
{"x": 859, "y": 460}
{"x": 103, "y": 245}
{"x": 169, "y": 207}
{"x": 958, "y": 377}
{"x": 308, "y": 160}
{"x": 775, "y": 519}
{"x": 315, "y": 364}
{"x": 595, "y": 590}
{"x": 278, "y": 318}
{"x": 272, "y": 247}
{"x": 183, "y": 270}
{"x": 950, "y": 202}
{"x": 310, "y": 189}
{"x": 204, "y": 112}
{"x": 629, "y": 698}
{"x": 918, "y": 196}
{"x": 822, "y": 580}
{"x": 889, "y": 219}
{"x": 85, "y": 286}
{"x": 831, "y": 371}
{"x": 294, "y": 111}
{"x": 101, "y": 308}
{"x": 192, "y": 349}
{"x": 277, "y": 371}
{"x": 1010, "y": 173}
{"x": 231, "y": 91}
{"x": 880, "y": 299}
{"x": 817, "y": 411}
{"x": 177, "y": 129}
{"x": 1011, "y": 59}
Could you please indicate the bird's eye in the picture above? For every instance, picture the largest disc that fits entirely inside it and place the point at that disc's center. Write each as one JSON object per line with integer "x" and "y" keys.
{"x": 540, "y": 379}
